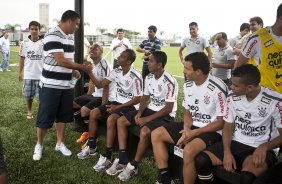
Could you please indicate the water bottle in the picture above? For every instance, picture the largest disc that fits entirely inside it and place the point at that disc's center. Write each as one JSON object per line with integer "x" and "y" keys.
{"x": 73, "y": 82}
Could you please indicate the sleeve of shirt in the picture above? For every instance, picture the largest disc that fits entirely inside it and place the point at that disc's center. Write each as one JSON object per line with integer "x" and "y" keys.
{"x": 229, "y": 111}
{"x": 230, "y": 55}
{"x": 146, "y": 85}
{"x": 22, "y": 50}
{"x": 184, "y": 97}
{"x": 278, "y": 114}
{"x": 171, "y": 91}
{"x": 142, "y": 45}
{"x": 128, "y": 44}
{"x": 138, "y": 91}
{"x": 220, "y": 103}
{"x": 250, "y": 47}
{"x": 158, "y": 44}
{"x": 53, "y": 44}
{"x": 183, "y": 44}
{"x": 112, "y": 76}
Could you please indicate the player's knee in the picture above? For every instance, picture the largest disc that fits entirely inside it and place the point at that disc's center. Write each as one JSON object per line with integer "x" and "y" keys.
{"x": 203, "y": 161}
{"x": 157, "y": 134}
{"x": 145, "y": 133}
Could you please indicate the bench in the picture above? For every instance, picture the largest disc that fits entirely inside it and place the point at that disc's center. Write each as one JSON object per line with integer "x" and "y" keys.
{"x": 175, "y": 163}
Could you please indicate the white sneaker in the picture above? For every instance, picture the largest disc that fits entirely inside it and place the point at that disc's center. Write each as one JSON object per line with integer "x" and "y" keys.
{"x": 63, "y": 149}
{"x": 1, "y": 70}
{"x": 128, "y": 172}
{"x": 86, "y": 152}
{"x": 7, "y": 70}
{"x": 115, "y": 168}
{"x": 102, "y": 164}
{"x": 37, "y": 152}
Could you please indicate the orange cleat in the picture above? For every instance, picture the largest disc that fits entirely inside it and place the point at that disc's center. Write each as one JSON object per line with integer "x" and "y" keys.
{"x": 83, "y": 137}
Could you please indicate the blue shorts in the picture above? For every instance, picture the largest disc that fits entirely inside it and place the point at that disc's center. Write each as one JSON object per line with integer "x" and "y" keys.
{"x": 30, "y": 89}
{"x": 55, "y": 105}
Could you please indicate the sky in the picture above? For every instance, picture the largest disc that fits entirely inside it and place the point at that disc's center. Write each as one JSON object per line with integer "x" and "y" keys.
{"x": 171, "y": 17}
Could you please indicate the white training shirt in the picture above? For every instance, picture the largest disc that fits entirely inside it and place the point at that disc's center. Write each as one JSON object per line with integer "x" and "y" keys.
{"x": 252, "y": 47}
{"x": 120, "y": 49}
{"x": 162, "y": 90}
{"x": 205, "y": 102}
{"x": 255, "y": 120}
{"x": 235, "y": 40}
{"x": 223, "y": 56}
{"x": 192, "y": 45}
{"x": 5, "y": 44}
{"x": 127, "y": 86}
{"x": 100, "y": 71}
{"x": 33, "y": 62}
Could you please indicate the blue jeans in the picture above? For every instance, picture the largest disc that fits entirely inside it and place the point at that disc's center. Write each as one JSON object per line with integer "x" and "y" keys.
{"x": 5, "y": 60}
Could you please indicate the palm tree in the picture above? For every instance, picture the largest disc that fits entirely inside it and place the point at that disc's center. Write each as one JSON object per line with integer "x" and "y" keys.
{"x": 101, "y": 30}
{"x": 12, "y": 27}
{"x": 86, "y": 24}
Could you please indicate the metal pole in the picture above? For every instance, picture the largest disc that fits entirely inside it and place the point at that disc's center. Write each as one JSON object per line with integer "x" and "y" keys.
{"x": 79, "y": 45}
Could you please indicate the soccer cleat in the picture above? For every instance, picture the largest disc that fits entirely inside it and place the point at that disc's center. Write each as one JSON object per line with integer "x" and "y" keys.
{"x": 86, "y": 152}
{"x": 37, "y": 155}
{"x": 83, "y": 137}
{"x": 102, "y": 164}
{"x": 62, "y": 149}
{"x": 128, "y": 172}
{"x": 115, "y": 168}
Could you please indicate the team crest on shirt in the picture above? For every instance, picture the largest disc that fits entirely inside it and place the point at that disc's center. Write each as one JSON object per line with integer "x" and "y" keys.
{"x": 127, "y": 83}
{"x": 152, "y": 44}
{"x": 207, "y": 99}
{"x": 160, "y": 88}
{"x": 221, "y": 53}
{"x": 262, "y": 111}
{"x": 197, "y": 42}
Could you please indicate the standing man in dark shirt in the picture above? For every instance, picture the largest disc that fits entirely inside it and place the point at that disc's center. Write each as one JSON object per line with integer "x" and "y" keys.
{"x": 152, "y": 43}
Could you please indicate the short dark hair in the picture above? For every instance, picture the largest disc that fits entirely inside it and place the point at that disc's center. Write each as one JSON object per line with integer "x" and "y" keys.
{"x": 223, "y": 35}
{"x": 193, "y": 24}
{"x": 279, "y": 11}
{"x": 199, "y": 61}
{"x": 257, "y": 20}
{"x": 160, "y": 57}
{"x": 131, "y": 55}
{"x": 153, "y": 28}
{"x": 245, "y": 26}
{"x": 249, "y": 74}
{"x": 120, "y": 30}
{"x": 69, "y": 14}
{"x": 34, "y": 23}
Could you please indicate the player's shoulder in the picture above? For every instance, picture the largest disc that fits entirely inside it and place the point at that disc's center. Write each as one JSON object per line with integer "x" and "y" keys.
{"x": 134, "y": 73}
{"x": 169, "y": 78}
{"x": 216, "y": 84}
{"x": 269, "y": 95}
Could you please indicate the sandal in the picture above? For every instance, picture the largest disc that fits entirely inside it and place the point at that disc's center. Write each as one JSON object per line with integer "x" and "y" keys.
{"x": 29, "y": 116}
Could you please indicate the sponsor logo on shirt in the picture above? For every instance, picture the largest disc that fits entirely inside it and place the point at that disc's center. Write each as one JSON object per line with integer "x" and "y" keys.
{"x": 251, "y": 47}
{"x": 244, "y": 125}
{"x": 265, "y": 100}
{"x": 221, "y": 103}
{"x": 268, "y": 43}
{"x": 278, "y": 105}
{"x": 274, "y": 60}
{"x": 278, "y": 75}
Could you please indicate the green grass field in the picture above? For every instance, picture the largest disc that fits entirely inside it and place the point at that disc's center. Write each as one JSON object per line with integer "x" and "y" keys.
{"x": 19, "y": 137}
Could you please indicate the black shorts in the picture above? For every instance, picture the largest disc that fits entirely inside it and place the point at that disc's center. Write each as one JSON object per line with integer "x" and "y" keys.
{"x": 121, "y": 112}
{"x": 2, "y": 162}
{"x": 208, "y": 138}
{"x": 240, "y": 152}
{"x": 55, "y": 105}
{"x": 152, "y": 125}
{"x": 88, "y": 101}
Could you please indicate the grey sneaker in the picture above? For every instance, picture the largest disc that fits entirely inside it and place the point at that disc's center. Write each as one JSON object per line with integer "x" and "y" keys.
{"x": 86, "y": 152}
{"x": 63, "y": 149}
{"x": 115, "y": 168}
{"x": 102, "y": 164}
{"x": 128, "y": 172}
